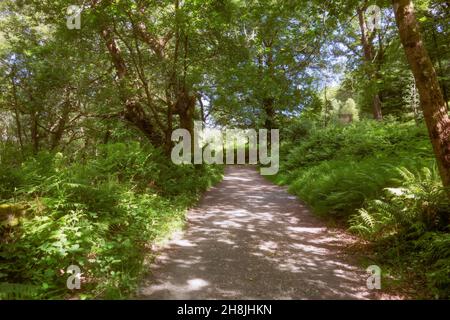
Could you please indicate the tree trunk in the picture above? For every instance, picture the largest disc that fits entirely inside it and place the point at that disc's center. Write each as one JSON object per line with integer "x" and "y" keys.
{"x": 377, "y": 114}
{"x": 17, "y": 114}
{"x": 168, "y": 139}
{"x": 34, "y": 132}
{"x": 326, "y": 108}
{"x": 133, "y": 111}
{"x": 369, "y": 56}
{"x": 270, "y": 113}
{"x": 268, "y": 102}
{"x": 432, "y": 101}
{"x": 58, "y": 132}
{"x": 202, "y": 108}
{"x": 185, "y": 108}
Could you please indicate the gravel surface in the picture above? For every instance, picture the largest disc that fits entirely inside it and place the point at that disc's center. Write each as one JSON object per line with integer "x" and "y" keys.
{"x": 250, "y": 239}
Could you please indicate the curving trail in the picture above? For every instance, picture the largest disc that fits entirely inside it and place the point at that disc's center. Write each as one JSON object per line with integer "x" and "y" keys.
{"x": 250, "y": 239}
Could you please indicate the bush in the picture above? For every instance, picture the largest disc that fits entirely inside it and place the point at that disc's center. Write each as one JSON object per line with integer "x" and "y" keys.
{"x": 379, "y": 178}
{"x": 420, "y": 204}
{"x": 101, "y": 215}
{"x": 336, "y": 169}
{"x": 338, "y": 187}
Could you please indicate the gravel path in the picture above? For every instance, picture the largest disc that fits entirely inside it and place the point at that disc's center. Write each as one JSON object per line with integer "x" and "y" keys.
{"x": 250, "y": 239}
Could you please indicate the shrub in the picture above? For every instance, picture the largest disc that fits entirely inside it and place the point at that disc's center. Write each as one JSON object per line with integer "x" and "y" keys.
{"x": 419, "y": 204}
{"x": 101, "y": 214}
{"x": 380, "y": 178}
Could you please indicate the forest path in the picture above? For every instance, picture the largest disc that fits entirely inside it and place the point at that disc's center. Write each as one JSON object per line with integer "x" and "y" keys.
{"x": 251, "y": 239}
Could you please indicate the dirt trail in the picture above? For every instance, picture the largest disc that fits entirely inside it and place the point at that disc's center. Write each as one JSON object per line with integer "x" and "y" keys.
{"x": 250, "y": 239}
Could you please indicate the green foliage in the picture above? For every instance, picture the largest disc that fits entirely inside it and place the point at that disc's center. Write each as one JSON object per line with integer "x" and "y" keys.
{"x": 248, "y": 64}
{"x": 379, "y": 178}
{"x": 412, "y": 223}
{"x": 420, "y": 204}
{"x": 337, "y": 187}
{"x": 433, "y": 251}
{"x": 350, "y": 108}
{"x": 358, "y": 141}
{"x": 101, "y": 215}
{"x": 10, "y": 291}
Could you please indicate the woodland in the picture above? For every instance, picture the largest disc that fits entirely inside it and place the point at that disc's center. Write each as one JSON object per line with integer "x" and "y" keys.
{"x": 359, "y": 90}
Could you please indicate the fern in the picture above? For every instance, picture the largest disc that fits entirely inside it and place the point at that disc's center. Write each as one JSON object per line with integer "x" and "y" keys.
{"x": 9, "y": 291}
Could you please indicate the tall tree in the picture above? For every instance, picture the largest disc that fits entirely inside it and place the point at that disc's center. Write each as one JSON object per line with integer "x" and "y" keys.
{"x": 372, "y": 56}
{"x": 431, "y": 98}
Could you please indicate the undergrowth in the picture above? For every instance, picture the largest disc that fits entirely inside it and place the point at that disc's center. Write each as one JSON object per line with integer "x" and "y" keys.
{"x": 101, "y": 214}
{"x": 381, "y": 180}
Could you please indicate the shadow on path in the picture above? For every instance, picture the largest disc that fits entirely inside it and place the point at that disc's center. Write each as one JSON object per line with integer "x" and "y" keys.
{"x": 250, "y": 239}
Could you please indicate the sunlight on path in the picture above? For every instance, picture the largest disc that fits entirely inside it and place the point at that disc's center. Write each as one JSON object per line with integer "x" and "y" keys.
{"x": 250, "y": 239}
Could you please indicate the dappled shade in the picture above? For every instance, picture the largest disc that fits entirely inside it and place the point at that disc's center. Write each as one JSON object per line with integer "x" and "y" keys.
{"x": 249, "y": 239}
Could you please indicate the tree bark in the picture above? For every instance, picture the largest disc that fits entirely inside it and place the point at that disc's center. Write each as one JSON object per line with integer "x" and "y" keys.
{"x": 326, "y": 108}
{"x": 58, "y": 131}
{"x": 369, "y": 57}
{"x": 431, "y": 98}
{"x": 377, "y": 114}
{"x": 269, "y": 110}
{"x": 17, "y": 114}
{"x": 185, "y": 108}
{"x": 133, "y": 111}
{"x": 34, "y": 132}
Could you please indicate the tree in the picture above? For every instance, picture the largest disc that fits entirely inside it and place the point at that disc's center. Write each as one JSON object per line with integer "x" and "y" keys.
{"x": 269, "y": 75}
{"x": 372, "y": 56}
{"x": 411, "y": 98}
{"x": 431, "y": 98}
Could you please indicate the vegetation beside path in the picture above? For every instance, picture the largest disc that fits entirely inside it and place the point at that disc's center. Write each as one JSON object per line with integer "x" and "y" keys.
{"x": 381, "y": 181}
{"x": 101, "y": 214}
